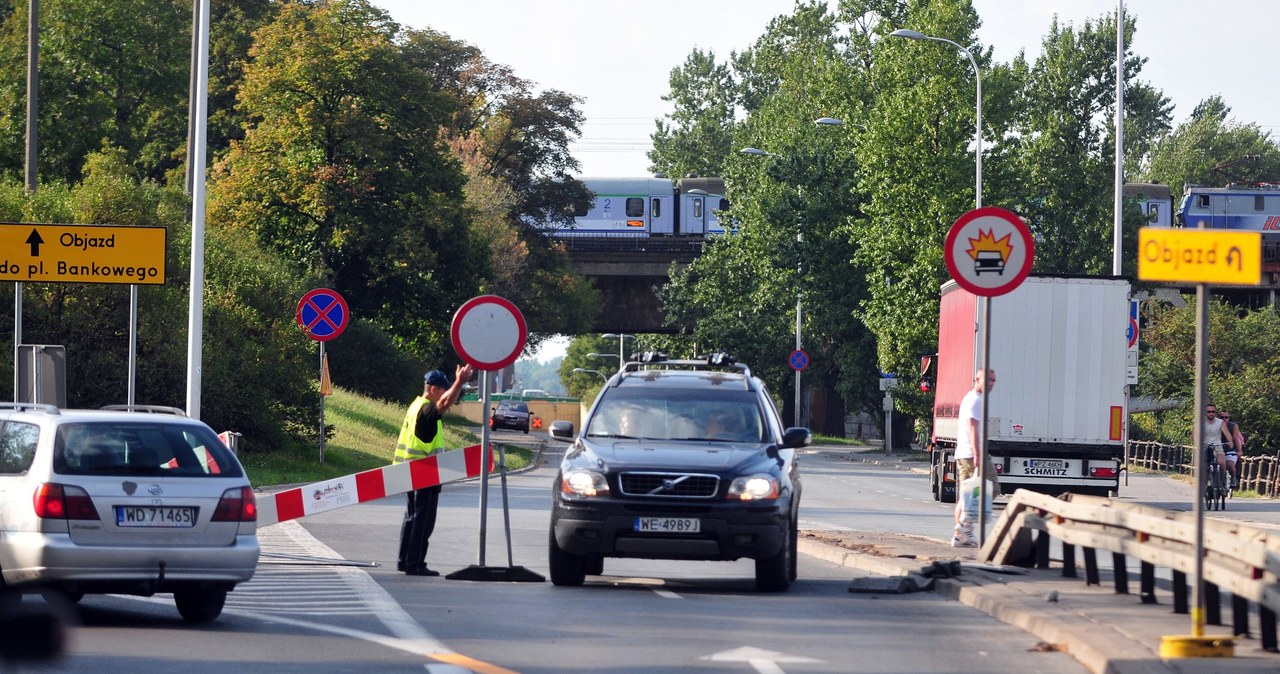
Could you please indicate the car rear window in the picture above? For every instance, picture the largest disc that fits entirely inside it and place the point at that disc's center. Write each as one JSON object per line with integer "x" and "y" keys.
{"x": 142, "y": 449}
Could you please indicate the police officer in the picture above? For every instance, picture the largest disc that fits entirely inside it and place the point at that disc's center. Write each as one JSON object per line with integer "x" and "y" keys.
{"x": 422, "y": 434}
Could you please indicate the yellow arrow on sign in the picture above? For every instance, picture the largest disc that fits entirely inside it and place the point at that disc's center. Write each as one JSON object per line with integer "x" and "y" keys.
{"x": 43, "y": 253}
{"x": 1200, "y": 256}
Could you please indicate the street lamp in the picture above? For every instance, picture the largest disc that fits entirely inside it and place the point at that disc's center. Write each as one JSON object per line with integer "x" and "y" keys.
{"x": 585, "y": 370}
{"x": 757, "y": 152}
{"x": 977, "y": 74}
{"x": 622, "y": 358}
{"x": 607, "y": 355}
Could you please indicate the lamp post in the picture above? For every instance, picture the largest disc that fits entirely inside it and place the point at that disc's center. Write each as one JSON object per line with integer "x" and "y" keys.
{"x": 607, "y": 355}
{"x": 622, "y": 357}
{"x": 977, "y": 74}
{"x": 984, "y": 303}
{"x": 585, "y": 370}
{"x": 757, "y": 152}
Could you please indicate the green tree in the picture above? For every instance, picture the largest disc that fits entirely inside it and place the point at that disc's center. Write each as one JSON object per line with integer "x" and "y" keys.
{"x": 1212, "y": 149}
{"x": 1242, "y": 368}
{"x": 697, "y": 136}
{"x": 341, "y": 171}
{"x": 1065, "y": 140}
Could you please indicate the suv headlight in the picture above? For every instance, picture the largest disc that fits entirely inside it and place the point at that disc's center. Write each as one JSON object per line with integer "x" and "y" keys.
{"x": 753, "y": 488}
{"x": 583, "y": 482}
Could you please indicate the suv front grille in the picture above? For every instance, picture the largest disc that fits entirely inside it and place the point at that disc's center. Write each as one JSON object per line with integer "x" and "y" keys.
{"x": 669, "y": 485}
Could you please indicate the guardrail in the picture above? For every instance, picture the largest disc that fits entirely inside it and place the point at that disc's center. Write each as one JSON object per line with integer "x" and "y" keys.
{"x": 1258, "y": 472}
{"x": 1241, "y": 560}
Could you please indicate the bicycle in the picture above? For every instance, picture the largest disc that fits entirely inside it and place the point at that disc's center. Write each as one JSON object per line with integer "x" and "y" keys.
{"x": 1215, "y": 491}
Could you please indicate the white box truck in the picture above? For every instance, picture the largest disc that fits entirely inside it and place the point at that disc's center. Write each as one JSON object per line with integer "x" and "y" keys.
{"x": 1056, "y": 418}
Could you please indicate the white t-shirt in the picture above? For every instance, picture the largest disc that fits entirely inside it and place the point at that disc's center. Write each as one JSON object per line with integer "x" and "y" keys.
{"x": 1212, "y": 433}
{"x": 970, "y": 410}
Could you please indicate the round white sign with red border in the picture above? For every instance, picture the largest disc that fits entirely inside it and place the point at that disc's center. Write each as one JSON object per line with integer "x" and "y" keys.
{"x": 989, "y": 251}
{"x": 489, "y": 332}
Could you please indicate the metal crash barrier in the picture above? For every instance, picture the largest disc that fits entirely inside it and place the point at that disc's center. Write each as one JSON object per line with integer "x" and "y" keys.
{"x": 1243, "y": 561}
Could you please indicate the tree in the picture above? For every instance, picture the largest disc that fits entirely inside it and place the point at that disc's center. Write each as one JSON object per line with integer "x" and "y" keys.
{"x": 1064, "y": 141}
{"x": 1242, "y": 367}
{"x": 1212, "y": 149}
{"x": 513, "y": 147}
{"x": 341, "y": 171}
{"x": 119, "y": 80}
{"x": 697, "y": 135}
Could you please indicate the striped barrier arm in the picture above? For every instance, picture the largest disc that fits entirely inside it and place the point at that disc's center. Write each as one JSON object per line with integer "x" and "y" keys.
{"x": 371, "y": 485}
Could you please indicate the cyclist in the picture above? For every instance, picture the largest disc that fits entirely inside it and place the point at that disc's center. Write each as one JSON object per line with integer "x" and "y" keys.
{"x": 1215, "y": 437}
{"x": 1236, "y": 450}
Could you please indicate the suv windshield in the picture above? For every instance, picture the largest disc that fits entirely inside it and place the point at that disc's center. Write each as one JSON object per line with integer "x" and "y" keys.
{"x": 116, "y": 448}
{"x": 678, "y": 414}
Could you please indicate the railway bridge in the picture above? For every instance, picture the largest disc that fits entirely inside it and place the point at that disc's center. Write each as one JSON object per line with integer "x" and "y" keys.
{"x": 627, "y": 271}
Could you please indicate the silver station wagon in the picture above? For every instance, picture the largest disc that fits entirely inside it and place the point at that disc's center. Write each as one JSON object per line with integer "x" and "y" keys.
{"x": 123, "y": 501}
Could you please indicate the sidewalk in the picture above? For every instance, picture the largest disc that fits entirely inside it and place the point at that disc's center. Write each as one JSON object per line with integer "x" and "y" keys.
{"x": 1106, "y": 632}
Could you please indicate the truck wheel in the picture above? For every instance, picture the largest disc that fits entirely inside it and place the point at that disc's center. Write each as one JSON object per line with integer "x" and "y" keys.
{"x": 567, "y": 569}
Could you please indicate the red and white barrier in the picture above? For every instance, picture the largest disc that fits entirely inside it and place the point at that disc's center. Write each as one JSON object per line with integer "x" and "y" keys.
{"x": 371, "y": 485}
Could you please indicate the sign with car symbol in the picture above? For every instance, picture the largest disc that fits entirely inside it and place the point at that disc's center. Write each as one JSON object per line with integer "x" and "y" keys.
{"x": 989, "y": 251}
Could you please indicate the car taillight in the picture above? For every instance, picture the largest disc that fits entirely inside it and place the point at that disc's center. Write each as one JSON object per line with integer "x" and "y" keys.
{"x": 1102, "y": 472}
{"x": 63, "y": 502}
{"x": 236, "y": 505}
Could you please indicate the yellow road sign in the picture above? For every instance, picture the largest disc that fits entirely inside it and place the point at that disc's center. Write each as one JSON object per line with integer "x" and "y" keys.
{"x": 38, "y": 253}
{"x": 1200, "y": 256}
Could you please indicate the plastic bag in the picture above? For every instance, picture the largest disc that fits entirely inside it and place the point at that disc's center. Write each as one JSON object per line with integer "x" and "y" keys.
{"x": 969, "y": 499}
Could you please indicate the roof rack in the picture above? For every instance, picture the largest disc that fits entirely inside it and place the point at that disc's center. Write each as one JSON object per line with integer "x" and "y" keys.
{"x": 714, "y": 361}
{"x": 23, "y": 407}
{"x": 154, "y": 409}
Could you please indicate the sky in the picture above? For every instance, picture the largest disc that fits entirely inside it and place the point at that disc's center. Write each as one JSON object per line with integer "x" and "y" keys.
{"x": 619, "y": 56}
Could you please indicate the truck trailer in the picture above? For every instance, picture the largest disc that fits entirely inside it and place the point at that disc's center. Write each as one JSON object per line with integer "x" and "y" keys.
{"x": 1056, "y": 419}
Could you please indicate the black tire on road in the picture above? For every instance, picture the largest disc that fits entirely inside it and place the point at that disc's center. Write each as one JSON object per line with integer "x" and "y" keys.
{"x": 200, "y": 606}
{"x": 774, "y": 573}
{"x": 567, "y": 569}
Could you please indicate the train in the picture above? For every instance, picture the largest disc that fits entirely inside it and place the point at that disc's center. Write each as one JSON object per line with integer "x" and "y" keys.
{"x": 650, "y": 207}
{"x": 1235, "y": 207}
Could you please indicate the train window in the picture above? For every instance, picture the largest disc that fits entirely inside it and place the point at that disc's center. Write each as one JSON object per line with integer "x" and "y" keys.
{"x": 724, "y": 205}
{"x": 655, "y": 208}
{"x": 635, "y": 207}
{"x": 1202, "y": 201}
{"x": 1257, "y": 202}
{"x": 581, "y": 210}
{"x": 697, "y": 208}
{"x": 1153, "y": 212}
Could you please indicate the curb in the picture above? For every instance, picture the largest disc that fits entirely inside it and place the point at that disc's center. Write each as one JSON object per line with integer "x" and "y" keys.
{"x": 1099, "y": 648}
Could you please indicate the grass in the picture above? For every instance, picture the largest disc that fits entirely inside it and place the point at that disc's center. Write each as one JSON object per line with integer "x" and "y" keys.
{"x": 364, "y": 432}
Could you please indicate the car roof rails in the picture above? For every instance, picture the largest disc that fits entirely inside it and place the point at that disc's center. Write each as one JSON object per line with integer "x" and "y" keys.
{"x": 24, "y": 407}
{"x": 718, "y": 360}
{"x": 154, "y": 409}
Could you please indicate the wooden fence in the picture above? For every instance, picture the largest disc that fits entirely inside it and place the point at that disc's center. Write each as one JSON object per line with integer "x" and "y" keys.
{"x": 1258, "y": 472}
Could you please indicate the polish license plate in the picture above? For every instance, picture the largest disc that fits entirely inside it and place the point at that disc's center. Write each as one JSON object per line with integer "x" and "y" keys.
{"x": 155, "y": 516}
{"x": 1046, "y": 463}
{"x": 669, "y": 525}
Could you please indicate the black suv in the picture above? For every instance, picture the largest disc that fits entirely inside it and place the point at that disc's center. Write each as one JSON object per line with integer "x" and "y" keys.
{"x": 510, "y": 414}
{"x": 678, "y": 460}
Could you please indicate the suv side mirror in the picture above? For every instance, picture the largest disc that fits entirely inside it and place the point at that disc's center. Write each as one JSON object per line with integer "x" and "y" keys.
{"x": 797, "y": 437}
{"x": 562, "y": 430}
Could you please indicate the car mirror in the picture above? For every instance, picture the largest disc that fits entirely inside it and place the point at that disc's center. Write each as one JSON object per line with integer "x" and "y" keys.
{"x": 562, "y": 430}
{"x": 796, "y": 437}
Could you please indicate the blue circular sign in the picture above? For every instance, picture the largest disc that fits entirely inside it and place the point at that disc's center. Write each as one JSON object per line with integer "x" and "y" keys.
{"x": 322, "y": 314}
{"x": 798, "y": 360}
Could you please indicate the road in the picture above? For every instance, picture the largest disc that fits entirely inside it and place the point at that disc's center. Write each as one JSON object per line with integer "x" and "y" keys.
{"x": 326, "y": 598}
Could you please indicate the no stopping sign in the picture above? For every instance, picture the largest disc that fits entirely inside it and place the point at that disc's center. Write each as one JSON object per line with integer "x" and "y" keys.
{"x": 489, "y": 332}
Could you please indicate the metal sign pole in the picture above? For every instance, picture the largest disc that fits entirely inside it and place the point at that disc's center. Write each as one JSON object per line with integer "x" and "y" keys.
{"x": 484, "y": 467}
{"x": 133, "y": 343}
{"x": 1197, "y": 441}
{"x": 985, "y": 304}
{"x": 322, "y": 404}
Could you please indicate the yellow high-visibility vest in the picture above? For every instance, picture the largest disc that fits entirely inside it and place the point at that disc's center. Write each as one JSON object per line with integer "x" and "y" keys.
{"x": 408, "y": 446}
